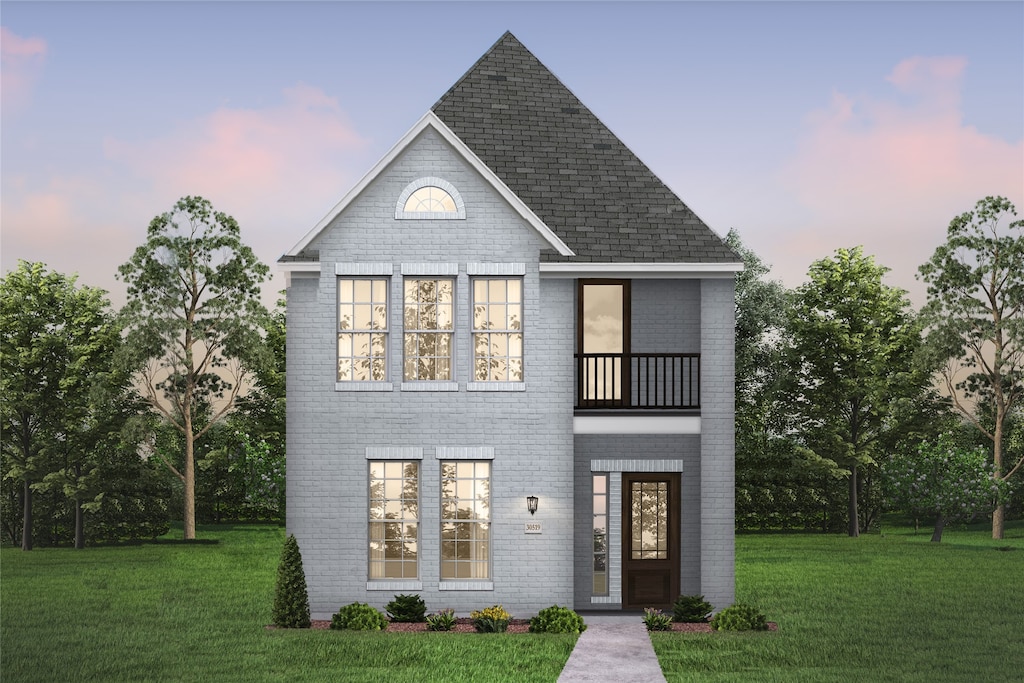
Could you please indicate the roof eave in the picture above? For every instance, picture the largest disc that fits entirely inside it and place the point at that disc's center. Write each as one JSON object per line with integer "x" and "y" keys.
{"x": 632, "y": 270}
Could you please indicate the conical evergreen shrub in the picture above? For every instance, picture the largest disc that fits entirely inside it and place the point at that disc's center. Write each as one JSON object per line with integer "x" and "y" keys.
{"x": 291, "y": 602}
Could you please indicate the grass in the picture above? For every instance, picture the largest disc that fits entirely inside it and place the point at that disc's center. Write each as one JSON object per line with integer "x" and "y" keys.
{"x": 890, "y": 607}
{"x": 163, "y": 612}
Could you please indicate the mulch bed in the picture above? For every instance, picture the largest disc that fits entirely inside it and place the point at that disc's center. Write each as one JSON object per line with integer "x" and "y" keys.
{"x": 462, "y": 625}
{"x": 465, "y": 625}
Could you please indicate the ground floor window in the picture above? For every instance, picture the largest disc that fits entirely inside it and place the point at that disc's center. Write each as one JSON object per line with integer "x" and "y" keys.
{"x": 600, "y": 586}
{"x": 465, "y": 520}
{"x": 394, "y": 519}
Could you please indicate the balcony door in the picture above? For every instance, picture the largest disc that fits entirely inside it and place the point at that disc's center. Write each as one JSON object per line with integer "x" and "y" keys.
{"x": 650, "y": 540}
{"x": 603, "y": 343}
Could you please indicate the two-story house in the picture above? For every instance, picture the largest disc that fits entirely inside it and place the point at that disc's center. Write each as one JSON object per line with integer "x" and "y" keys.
{"x": 510, "y": 368}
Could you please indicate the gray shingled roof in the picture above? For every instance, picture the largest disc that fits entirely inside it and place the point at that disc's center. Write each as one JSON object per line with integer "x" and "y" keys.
{"x": 580, "y": 179}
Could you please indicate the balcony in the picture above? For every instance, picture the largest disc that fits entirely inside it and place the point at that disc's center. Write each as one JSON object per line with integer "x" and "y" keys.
{"x": 637, "y": 381}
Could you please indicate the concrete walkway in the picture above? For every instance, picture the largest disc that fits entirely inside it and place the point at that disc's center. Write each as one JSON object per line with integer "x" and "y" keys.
{"x": 613, "y": 648}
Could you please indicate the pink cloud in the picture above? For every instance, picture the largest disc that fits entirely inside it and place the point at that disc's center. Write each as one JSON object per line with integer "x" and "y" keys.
{"x": 21, "y": 60}
{"x": 890, "y": 173}
{"x": 243, "y": 155}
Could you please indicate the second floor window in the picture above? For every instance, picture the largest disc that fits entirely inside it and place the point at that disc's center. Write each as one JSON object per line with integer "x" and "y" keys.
{"x": 498, "y": 330}
{"x": 362, "y": 329}
{"x": 429, "y": 317}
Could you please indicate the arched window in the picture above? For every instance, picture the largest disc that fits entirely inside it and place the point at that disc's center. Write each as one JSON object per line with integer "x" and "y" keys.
{"x": 430, "y": 198}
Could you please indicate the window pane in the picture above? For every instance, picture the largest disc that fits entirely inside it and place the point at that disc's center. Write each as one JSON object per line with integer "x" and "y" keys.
{"x": 362, "y": 291}
{"x": 345, "y": 317}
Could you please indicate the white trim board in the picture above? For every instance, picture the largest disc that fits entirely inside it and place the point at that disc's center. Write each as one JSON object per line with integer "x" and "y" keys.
{"x": 636, "y": 424}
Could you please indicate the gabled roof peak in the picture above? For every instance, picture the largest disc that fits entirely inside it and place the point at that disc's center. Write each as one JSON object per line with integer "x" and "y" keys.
{"x": 572, "y": 171}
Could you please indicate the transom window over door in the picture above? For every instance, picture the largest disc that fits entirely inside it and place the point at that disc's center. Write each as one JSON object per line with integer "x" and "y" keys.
{"x": 429, "y": 317}
{"x": 362, "y": 329}
{"x": 498, "y": 330}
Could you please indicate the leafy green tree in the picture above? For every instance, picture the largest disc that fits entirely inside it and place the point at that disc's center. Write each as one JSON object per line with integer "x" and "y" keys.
{"x": 258, "y": 426}
{"x": 778, "y": 484}
{"x": 56, "y": 340}
{"x": 975, "y": 322}
{"x": 943, "y": 480}
{"x": 193, "y": 318}
{"x": 854, "y": 341}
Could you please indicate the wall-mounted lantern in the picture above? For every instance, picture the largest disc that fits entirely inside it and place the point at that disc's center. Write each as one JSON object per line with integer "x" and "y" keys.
{"x": 531, "y": 504}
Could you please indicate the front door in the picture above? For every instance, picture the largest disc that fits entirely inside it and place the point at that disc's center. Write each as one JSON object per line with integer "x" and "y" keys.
{"x": 650, "y": 540}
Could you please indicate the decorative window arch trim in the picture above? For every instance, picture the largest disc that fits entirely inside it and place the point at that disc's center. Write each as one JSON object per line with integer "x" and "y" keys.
{"x": 430, "y": 181}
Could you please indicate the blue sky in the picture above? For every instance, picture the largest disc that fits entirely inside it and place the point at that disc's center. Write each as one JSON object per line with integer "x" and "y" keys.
{"x": 808, "y": 126}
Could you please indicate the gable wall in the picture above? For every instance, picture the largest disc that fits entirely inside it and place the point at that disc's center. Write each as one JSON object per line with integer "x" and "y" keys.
{"x": 530, "y": 431}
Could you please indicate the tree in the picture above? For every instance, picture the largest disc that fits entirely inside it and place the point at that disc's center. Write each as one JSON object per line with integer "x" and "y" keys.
{"x": 943, "y": 480}
{"x": 193, "y": 318}
{"x": 777, "y": 483}
{"x": 852, "y": 364}
{"x": 975, "y": 321}
{"x": 291, "y": 602}
{"x": 56, "y": 340}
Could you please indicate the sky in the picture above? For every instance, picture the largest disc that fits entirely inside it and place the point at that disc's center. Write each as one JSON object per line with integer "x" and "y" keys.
{"x": 806, "y": 126}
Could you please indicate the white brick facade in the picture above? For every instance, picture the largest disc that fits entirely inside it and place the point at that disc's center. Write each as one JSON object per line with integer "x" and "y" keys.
{"x": 523, "y": 429}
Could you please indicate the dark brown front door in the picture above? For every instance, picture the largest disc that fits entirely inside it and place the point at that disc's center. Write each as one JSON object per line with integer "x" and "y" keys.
{"x": 650, "y": 540}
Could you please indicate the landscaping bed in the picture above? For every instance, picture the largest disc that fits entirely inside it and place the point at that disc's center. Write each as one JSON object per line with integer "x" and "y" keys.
{"x": 462, "y": 625}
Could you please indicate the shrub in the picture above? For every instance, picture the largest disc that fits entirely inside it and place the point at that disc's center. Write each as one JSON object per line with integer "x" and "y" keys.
{"x": 291, "y": 602}
{"x": 493, "y": 619}
{"x": 444, "y": 620}
{"x": 656, "y": 620}
{"x": 407, "y": 608}
{"x": 691, "y": 609}
{"x": 359, "y": 617}
{"x": 739, "y": 617}
{"x": 557, "y": 619}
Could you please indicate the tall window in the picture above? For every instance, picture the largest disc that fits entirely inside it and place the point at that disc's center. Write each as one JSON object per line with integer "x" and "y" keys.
{"x": 498, "y": 330}
{"x": 600, "y": 586}
{"x": 465, "y": 520}
{"x": 429, "y": 316}
{"x": 394, "y": 519}
{"x": 362, "y": 329}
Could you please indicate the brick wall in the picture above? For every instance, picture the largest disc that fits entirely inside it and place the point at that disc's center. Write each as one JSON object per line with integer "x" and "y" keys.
{"x": 529, "y": 431}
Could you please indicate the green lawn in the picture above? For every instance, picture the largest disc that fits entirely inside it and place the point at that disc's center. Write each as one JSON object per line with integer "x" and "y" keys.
{"x": 197, "y": 613}
{"x": 892, "y": 607}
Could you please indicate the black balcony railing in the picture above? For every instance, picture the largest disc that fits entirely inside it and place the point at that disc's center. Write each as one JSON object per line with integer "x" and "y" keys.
{"x": 645, "y": 381}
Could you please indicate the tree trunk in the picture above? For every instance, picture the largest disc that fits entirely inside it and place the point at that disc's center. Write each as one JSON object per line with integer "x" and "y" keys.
{"x": 189, "y": 516}
{"x": 997, "y": 458}
{"x": 79, "y": 525}
{"x": 940, "y": 523}
{"x": 854, "y": 525}
{"x": 26, "y": 518}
